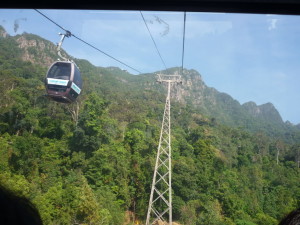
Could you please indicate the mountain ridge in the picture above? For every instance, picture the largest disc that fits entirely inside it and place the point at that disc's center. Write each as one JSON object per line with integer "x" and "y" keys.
{"x": 193, "y": 91}
{"x": 224, "y": 108}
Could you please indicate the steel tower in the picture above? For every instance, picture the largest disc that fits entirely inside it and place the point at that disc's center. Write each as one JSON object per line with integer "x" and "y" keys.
{"x": 160, "y": 203}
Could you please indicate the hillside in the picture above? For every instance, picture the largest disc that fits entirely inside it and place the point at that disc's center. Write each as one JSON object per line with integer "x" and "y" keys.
{"x": 193, "y": 91}
{"x": 92, "y": 162}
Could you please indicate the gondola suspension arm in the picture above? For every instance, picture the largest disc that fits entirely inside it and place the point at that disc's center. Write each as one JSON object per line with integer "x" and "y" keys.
{"x": 67, "y": 34}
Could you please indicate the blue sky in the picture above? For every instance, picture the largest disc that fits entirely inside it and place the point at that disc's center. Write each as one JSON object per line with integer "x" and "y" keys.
{"x": 251, "y": 57}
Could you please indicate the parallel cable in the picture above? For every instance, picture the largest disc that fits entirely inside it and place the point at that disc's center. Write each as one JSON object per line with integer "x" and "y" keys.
{"x": 153, "y": 40}
{"x": 183, "y": 42}
{"x": 87, "y": 42}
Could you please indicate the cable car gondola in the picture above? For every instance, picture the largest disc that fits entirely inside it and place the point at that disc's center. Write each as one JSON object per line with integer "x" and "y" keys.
{"x": 63, "y": 80}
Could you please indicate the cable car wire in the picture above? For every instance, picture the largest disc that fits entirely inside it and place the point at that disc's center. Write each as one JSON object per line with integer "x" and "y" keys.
{"x": 87, "y": 42}
{"x": 51, "y": 20}
{"x": 106, "y": 54}
{"x": 153, "y": 40}
{"x": 183, "y": 43}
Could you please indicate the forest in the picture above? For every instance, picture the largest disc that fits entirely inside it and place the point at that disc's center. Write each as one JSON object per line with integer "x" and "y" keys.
{"x": 92, "y": 162}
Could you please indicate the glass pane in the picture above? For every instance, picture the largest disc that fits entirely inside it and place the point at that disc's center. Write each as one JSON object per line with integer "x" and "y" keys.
{"x": 60, "y": 71}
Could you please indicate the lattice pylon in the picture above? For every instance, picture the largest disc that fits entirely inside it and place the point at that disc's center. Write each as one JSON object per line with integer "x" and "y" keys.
{"x": 160, "y": 203}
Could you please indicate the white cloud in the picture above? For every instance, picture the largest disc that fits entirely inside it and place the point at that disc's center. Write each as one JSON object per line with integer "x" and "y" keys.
{"x": 272, "y": 24}
{"x": 200, "y": 28}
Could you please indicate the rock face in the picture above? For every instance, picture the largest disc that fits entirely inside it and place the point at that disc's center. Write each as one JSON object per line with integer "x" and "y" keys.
{"x": 266, "y": 111}
{"x": 192, "y": 87}
{"x": 3, "y": 33}
{"x": 37, "y": 50}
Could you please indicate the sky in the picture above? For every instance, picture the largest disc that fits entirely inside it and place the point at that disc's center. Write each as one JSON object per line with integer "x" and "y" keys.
{"x": 248, "y": 56}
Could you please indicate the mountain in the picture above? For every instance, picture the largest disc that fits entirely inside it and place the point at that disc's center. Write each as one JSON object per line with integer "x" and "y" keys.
{"x": 225, "y": 109}
{"x": 193, "y": 92}
{"x": 265, "y": 112}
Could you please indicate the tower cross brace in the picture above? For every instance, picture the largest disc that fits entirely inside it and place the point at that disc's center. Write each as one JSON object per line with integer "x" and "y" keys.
{"x": 160, "y": 203}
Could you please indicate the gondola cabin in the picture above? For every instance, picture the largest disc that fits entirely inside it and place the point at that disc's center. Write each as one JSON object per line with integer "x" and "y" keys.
{"x": 63, "y": 82}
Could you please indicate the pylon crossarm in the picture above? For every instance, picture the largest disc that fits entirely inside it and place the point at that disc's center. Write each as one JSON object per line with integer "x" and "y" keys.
{"x": 165, "y": 200}
{"x": 164, "y": 144}
{"x": 163, "y": 163}
{"x": 164, "y": 152}
{"x": 166, "y": 126}
{"x": 167, "y": 116}
{"x": 157, "y": 219}
{"x": 163, "y": 213}
{"x": 162, "y": 178}
{"x": 165, "y": 141}
{"x": 169, "y": 78}
{"x": 161, "y": 196}
{"x": 158, "y": 215}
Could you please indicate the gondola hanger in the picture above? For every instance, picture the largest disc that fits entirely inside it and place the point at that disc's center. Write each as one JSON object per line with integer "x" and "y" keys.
{"x": 67, "y": 34}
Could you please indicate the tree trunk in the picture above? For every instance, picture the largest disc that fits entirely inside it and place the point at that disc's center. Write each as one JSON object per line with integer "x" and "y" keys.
{"x": 277, "y": 156}
{"x": 74, "y": 110}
